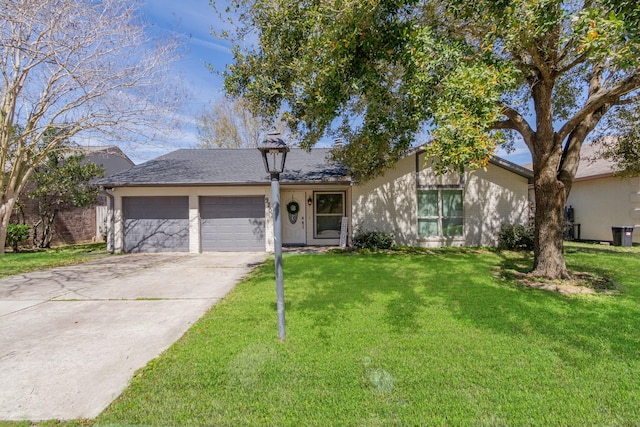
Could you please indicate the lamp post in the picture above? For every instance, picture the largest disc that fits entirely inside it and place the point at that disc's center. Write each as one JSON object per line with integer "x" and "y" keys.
{"x": 274, "y": 153}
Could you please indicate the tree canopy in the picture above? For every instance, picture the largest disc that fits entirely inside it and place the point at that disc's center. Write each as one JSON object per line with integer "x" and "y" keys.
{"x": 461, "y": 76}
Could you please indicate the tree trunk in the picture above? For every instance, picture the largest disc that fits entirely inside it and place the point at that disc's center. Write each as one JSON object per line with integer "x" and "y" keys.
{"x": 47, "y": 230}
{"x": 550, "y": 195}
{"x": 5, "y": 216}
{"x": 3, "y": 235}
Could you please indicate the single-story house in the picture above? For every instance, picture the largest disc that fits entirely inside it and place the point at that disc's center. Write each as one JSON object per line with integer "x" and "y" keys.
{"x": 200, "y": 200}
{"x": 600, "y": 200}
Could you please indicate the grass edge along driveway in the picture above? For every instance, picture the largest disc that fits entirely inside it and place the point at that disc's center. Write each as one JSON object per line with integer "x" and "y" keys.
{"x": 423, "y": 339}
{"x": 23, "y": 262}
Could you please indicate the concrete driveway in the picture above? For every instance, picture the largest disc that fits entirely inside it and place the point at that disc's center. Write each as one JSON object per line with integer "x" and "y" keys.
{"x": 71, "y": 338}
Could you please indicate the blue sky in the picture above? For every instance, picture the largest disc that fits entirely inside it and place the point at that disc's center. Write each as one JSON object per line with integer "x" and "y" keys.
{"x": 193, "y": 21}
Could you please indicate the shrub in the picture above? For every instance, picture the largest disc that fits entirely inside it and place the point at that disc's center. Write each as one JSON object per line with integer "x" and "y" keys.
{"x": 372, "y": 240}
{"x": 515, "y": 237}
{"x": 17, "y": 233}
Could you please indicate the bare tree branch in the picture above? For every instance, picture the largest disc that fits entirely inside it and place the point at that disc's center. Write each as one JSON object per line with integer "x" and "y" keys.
{"x": 517, "y": 122}
{"x": 81, "y": 66}
{"x": 598, "y": 98}
{"x": 230, "y": 123}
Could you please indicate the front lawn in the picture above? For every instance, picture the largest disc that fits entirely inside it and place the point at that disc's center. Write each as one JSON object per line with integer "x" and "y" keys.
{"x": 411, "y": 339}
{"x": 22, "y": 262}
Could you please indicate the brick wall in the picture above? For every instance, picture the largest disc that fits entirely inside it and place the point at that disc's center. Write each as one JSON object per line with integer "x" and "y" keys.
{"x": 72, "y": 226}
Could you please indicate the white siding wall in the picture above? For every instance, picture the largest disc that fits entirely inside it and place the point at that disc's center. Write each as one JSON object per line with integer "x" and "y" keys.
{"x": 601, "y": 203}
{"x": 102, "y": 216}
{"x": 389, "y": 203}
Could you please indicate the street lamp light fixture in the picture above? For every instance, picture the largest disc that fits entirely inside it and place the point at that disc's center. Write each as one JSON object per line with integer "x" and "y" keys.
{"x": 274, "y": 153}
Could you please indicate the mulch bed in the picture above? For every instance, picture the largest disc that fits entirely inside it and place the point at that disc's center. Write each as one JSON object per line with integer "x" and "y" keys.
{"x": 580, "y": 283}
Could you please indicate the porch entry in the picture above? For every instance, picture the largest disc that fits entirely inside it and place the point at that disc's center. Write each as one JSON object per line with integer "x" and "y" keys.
{"x": 294, "y": 230}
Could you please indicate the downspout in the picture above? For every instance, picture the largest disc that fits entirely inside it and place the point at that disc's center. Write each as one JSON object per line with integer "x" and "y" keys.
{"x": 419, "y": 151}
{"x": 110, "y": 219}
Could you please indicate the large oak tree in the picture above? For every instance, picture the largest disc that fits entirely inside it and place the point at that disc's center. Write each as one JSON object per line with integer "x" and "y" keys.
{"x": 84, "y": 67}
{"x": 466, "y": 75}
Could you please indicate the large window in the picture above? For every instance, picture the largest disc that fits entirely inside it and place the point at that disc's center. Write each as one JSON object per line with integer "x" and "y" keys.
{"x": 440, "y": 213}
{"x": 329, "y": 210}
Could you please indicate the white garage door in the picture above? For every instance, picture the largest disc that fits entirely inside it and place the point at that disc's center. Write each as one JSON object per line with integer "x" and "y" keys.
{"x": 156, "y": 224}
{"x": 232, "y": 223}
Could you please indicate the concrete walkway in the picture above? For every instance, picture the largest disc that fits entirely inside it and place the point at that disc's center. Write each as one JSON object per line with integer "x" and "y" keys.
{"x": 71, "y": 338}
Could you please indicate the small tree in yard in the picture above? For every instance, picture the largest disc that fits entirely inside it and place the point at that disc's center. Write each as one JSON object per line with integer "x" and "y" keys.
{"x": 17, "y": 233}
{"x": 472, "y": 73}
{"x": 61, "y": 183}
{"x": 83, "y": 67}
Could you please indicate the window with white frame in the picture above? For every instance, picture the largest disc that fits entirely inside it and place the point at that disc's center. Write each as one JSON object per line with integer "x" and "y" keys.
{"x": 440, "y": 213}
{"x": 329, "y": 210}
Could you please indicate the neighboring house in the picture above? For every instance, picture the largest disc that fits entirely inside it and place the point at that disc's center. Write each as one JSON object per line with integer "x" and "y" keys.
{"x": 200, "y": 200}
{"x": 601, "y": 200}
{"x": 79, "y": 225}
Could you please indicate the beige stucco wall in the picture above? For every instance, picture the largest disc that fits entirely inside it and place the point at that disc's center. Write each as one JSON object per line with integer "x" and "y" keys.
{"x": 389, "y": 203}
{"x": 492, "y": 198}
{"x": 601, "y": 203}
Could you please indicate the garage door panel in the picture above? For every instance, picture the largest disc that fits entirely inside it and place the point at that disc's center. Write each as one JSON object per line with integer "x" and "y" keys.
{"x": 231, "y": 207}
{"x": 156, "y": 224}
{"x": 156, "y": 207}
{"x": 232, "y": 223}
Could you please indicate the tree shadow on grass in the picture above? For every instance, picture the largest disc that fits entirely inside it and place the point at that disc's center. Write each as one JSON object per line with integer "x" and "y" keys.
{"x": 403, "y": 283}
{"x": 592, "y": 325}
{"x": 468, "y": 286}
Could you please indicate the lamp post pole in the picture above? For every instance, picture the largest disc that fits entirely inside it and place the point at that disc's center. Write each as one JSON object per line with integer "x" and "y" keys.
{"x": 277, "y": 243}
{"x": 274, "y": 153}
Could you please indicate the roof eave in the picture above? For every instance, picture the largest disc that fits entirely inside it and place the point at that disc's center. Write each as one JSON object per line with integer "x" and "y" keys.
{"x": 219, "y": 184}
{"x": 497, "y": 161}
{"x": 512, "y": 167}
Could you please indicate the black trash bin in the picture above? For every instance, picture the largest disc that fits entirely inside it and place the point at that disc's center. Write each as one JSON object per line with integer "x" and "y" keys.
{"x": 622, "y": 235}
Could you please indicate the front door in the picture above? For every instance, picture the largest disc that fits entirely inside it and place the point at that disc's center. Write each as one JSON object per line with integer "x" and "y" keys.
{"x": 293, "y": 217}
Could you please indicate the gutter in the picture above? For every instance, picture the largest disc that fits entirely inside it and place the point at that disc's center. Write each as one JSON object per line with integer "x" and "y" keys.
{"x": 227, "y": 184}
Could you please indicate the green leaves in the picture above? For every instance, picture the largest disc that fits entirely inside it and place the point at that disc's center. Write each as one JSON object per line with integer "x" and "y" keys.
{"x": 623, "y": 151}
{"x": 467, "y": 107}
{"x": 65, "y": 182}
{"x": 383, "y": 74}
{"x": 60, "y": 183}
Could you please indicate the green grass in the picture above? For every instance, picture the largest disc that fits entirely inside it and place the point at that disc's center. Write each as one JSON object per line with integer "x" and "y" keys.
{"x": 23, "y": 262}
{"x": 403, "y": 339}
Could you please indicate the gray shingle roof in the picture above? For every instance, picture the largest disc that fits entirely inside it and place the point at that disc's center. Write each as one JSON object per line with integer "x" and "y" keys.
{"x": 592, "y": 165}
{"x": 226, "y": 167}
